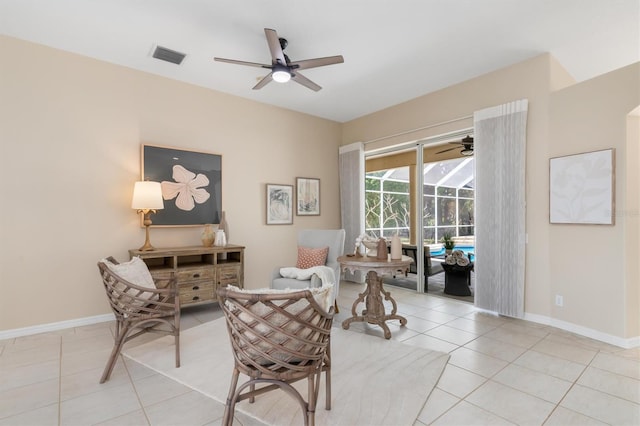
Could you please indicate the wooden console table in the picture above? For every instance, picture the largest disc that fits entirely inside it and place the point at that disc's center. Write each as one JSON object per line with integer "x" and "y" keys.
{"x": 199, "y": 270}
{"x": 372, "y": 296}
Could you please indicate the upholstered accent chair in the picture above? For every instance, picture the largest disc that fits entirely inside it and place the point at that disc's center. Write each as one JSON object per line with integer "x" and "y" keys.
{"x": 315, "y": 238}
{"x": 140, "y": 305}
{"x": 278, "y": 338}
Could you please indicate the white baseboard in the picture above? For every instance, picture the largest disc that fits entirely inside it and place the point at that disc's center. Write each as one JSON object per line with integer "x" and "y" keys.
{"x": 633, "y": 342}
{"x": 43, "y": 328}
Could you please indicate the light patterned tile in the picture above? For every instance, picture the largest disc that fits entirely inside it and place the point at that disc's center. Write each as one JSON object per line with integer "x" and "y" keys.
{"x": 431, "y": 343}
{"x": 420, "y": 325}
{"x": 513, "y": 405}
{"x": 458, "y": 309}
{"x": 487, "y": 318}
{"x": 435, "y": 316}
{"x": 451, "y": 335}
{"x": 191, "y": 408}
{"x": 438, "y": 403}
{"x": 134, "y": 418}
{"x": 459, "y": 382}
{"x": 29, "y": 397}
{"x": 513, "y": 337}
{"x": 616, "y": 364}
{"x": 28, "y": 374}
{"x": 158, "y": 387}
{"x": 601, "y": 406}
{"x": 496, "y": 348}
{"x": 99, "y": 406}
{"x": 44, "y": 416}
{"x": 541, "y": 385}
{"x": 611, "y": 383}
{"x": 564, "y": 417}
{"x": 566, "y": 351}
{"x": 551, "y": 365}
{"x": 476, "y": 327}
{"x": 476, "y": 362}
{"x": 88, "y": 381}
{"x": 33, "y": 355}
{"x": 469, "y": 415}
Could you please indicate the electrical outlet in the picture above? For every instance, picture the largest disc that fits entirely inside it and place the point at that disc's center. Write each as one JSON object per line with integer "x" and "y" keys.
{"x": 559, "y": 300}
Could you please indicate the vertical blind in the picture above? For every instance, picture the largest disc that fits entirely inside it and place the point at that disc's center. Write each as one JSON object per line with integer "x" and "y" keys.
{"x": 500, "y": 157}
{"x": 351, "y": 169}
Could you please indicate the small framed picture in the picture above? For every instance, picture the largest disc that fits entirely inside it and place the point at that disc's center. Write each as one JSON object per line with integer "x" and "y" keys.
{"x": 308, "y": 196}
{"x": 279, "y": 204}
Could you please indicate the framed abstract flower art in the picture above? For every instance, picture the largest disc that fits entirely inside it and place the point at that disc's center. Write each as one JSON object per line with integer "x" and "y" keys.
{"x": 191, "y": 184}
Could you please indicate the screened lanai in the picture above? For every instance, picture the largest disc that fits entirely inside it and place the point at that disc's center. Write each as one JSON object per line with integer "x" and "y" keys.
{"x": 448, "y": 200}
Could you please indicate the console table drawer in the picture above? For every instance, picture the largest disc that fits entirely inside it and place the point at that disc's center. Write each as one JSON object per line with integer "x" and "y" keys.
{"x": 196, "y": 292}
{"x": 204, "y": 273}
{"x": 228, "y": 275}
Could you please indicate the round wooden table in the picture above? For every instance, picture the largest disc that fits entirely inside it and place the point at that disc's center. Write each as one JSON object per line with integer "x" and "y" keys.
{"x": 372, "y": 296}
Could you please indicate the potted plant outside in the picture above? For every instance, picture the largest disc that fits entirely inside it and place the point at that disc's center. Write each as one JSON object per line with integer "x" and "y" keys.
{"x": 448, "y": 243}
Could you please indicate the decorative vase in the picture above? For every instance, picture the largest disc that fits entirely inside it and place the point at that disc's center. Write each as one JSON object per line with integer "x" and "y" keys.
{"x": 208, "y": 235}
{"x": 223, "y": 225}
{"x": 396, "y": 247}
{"x": 382, "y": 249}
{"x": 221, "y": 238}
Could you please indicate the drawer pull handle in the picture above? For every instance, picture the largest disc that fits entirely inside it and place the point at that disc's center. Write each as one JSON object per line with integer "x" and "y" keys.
{"x": 196, "y": 275}
{"x": 195, "y": 287}
{"x": 195, "y": 298}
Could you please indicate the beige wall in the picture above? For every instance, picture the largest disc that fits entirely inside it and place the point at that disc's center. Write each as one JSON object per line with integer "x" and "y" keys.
{"x": 563, "y": 118}
{"x": 591, "y": 273}
{"x": 632, "y": 225}
{"x": 71, "y": 130}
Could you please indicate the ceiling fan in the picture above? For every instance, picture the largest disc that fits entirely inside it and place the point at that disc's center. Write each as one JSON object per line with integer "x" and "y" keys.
{"x": 466, "y": 142}
{"x": 282, "y": 69}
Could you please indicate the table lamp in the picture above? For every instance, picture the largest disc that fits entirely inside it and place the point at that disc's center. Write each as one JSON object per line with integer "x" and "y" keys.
{"x": 147, "y": 198}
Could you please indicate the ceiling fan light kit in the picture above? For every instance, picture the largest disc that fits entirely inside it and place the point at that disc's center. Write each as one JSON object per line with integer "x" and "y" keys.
{"x": 282, "y": 69}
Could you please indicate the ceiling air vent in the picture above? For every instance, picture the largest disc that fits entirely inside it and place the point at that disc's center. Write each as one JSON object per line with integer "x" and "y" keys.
{"x": 168, "y": 55}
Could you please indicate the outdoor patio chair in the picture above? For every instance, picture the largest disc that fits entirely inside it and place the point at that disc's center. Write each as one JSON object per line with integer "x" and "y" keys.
{"x": 277, "y": 338}
{"x": 140, "y": 305}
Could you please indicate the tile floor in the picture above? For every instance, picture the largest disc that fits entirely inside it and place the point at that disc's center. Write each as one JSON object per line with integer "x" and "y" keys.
{"x": 501, "y": 371}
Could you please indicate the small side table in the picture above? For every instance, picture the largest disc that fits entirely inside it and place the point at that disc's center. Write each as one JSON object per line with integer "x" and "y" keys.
{"x": 457, "y": 279}
{"x": 372, "y": 296}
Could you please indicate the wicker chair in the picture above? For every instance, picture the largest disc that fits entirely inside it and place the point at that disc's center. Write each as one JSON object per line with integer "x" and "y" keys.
{"x": 140, "y": 309}
{"x": 277, "y": 338}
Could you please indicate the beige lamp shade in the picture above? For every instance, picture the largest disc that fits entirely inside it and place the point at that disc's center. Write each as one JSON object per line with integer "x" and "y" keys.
{"x": 147, "y": 196}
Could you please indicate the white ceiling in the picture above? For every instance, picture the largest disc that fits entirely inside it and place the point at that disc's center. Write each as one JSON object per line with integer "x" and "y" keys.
{"x": 393, "y": 50}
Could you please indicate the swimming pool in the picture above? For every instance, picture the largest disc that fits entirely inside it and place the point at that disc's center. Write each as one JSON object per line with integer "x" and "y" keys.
{"x": 465, "y": 249}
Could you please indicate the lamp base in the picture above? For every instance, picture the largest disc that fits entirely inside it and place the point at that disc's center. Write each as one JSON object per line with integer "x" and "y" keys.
{"x": 147, "y": 244}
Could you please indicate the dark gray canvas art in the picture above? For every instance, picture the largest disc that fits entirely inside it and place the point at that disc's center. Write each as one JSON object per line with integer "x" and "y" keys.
{"x": 191, "y": 185}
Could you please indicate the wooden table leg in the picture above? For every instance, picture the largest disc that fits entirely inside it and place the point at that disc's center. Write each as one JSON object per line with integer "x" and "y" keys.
{"x": 374, "y": 312}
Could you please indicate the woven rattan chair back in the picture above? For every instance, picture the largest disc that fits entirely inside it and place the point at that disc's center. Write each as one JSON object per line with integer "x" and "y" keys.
{"x": 140, "y": 310}
{"x": 277, "y": 339}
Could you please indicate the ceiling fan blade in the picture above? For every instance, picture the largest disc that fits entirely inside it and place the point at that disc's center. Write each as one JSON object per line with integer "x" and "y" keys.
{"x": 317, "y": 62}
{"x": 264, "y": 81}
{"x": 277, "y": 55}
{"x": 301, "y": 79}
{"x": 447, "y": 150}
{"x": 251, "y": 64}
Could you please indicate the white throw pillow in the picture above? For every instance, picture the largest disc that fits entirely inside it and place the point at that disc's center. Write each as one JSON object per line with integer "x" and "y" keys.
{"x": 136, "y": 272}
